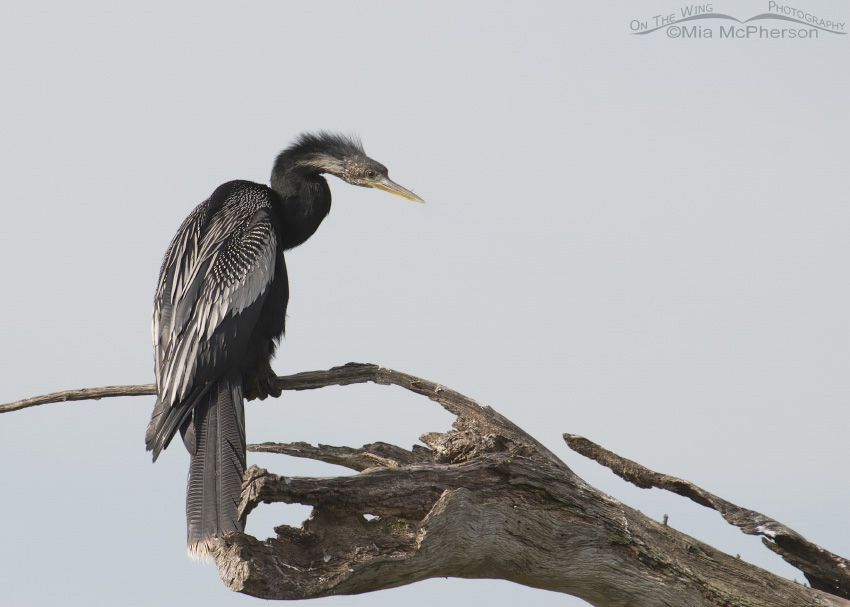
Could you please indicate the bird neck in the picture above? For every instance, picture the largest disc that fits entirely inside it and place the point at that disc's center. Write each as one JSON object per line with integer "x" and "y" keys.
{"x": 304, "y": 200}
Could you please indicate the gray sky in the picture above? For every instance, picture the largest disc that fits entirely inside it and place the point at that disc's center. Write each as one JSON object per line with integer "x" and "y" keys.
{"x": 640, "y": 239}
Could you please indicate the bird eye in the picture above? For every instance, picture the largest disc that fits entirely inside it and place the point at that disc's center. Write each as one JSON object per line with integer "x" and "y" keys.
{"x": 370, "y": 174}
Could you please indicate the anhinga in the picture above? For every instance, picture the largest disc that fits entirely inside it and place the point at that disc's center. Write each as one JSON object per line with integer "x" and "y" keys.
{"x": 220, "y": 309}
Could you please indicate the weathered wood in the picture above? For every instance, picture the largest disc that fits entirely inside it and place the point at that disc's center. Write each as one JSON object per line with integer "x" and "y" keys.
{"x": 81, "y": 394}
{"x": 486, "y": 500}
{"x": 369, "y": 456}
{"x": 824, "y": 570}
{"x": 494, "y": 517}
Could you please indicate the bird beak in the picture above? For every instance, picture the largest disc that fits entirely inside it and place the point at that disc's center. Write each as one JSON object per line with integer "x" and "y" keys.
{"x": 392, "y": 187}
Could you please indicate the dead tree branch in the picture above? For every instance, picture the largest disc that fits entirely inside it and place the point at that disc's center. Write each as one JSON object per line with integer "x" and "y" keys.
{"x": 824, "y": 570}
{"x": 486, "y": 500}
{"x": 81, "y": 394}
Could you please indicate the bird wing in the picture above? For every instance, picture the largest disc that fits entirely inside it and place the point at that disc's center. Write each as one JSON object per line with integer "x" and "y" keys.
{"x": 217, "y": 266}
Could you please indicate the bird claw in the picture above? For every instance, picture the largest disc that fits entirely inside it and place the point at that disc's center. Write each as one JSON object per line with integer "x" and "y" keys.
{"x": 260, "y": 387}
{"x": 268, "y": 388}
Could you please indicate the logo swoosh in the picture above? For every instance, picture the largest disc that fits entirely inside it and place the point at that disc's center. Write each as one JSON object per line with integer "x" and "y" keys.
{"x": 784, "y": 18}
{"x": 691, "y": 18}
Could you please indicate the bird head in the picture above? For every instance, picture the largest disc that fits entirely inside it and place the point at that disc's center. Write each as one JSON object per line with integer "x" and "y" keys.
{"x": 361, "y": 170}
{"x": 343, "y": 157}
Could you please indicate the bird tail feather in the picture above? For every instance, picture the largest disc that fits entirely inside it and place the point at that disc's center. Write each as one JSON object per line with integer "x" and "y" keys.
{"x": 217, "y": 467}
{"x": 167, "y": 419}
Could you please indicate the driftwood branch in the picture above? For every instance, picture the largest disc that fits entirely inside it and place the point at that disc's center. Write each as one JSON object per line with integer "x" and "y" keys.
{"x": 374, "y": 455}
{"x": 486, "y": 500}
{"x": 824, "y": 570}
{"x": 81, "y": 394}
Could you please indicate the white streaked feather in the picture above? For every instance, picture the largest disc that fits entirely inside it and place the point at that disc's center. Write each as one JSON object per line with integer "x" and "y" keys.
{"x": 235, "y": 275}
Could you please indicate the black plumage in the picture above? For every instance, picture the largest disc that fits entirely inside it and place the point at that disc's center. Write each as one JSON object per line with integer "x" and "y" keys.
{"x": 220, "y": 310}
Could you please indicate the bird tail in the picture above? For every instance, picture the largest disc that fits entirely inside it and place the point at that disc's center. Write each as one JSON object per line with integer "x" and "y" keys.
{"x": 217, "y": 466}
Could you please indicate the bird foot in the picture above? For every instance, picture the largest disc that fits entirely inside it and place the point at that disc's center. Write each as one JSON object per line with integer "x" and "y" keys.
{"x": 260, "y": 385}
